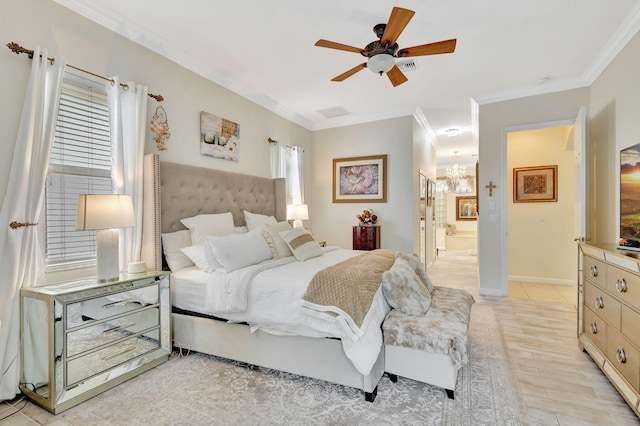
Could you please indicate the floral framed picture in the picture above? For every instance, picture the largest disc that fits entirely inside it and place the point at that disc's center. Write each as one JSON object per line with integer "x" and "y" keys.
{"x": 535, "y": 184}
{"x": 360, "y": 179}
{"x": 466, "y": 208}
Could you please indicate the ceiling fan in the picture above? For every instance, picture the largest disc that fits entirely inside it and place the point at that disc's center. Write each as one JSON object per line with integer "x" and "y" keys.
{"x": 381, "y": 53}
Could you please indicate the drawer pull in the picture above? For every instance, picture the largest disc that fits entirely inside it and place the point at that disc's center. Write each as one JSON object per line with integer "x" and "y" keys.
{"x": 620, "y": 356}
{"x": 118, "y": 327}
{"x": 599, "y": 302}
{"x": 621, "y": 285}
{"x": 593, "y": 327}
{"x": 593, "y": 271}
{"x": 118, "y": 303}
{"x": 125, "y": 350}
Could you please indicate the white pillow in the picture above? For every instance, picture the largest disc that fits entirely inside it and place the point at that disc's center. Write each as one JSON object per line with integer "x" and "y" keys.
{"x": 172, "y": 242}
{"x": 302, "y": 244}
{"x": 205, "y": 225}
{"x": 255, "y": 220}
{"x": 278, "y": 246}
{"x": 197, "y": 254}
{"x": 241, "y": 229}
{"x": 239, "y": 250}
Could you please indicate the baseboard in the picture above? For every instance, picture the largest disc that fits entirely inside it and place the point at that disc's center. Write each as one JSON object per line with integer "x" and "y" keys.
{"x": 491, "y": 292}
{"x": 538, "y": 280}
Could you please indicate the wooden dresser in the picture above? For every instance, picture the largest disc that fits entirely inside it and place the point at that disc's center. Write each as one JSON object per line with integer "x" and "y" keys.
{"x": 609, "y": 315}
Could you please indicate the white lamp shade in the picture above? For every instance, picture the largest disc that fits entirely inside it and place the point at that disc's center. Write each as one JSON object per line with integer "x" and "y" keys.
{"x": 297, "y": 212}
{"x": 104, "y": 211}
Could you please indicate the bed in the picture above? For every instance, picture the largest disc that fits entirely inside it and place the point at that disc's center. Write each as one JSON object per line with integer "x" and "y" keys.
{"x": 174, "y": 192}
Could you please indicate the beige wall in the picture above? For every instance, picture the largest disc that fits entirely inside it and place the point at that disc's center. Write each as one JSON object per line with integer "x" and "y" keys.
{"x": 495, "y": 121}
{"x": 615, "y": 125}
{"x": 532, "y": 226}
{"x": 398, "y": 216}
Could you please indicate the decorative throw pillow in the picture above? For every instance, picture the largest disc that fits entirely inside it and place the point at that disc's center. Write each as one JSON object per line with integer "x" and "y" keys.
{"x": 241, "y": 229}
{"x": 255, "y": 220}
{"x": 172, "y": 242}
{"x": 205, "y": 225}
{"x": 418, "y": 267}
{"x": 302, "y": 244}
{"x": 278, "y": 246}
{"x": 236, "y": 251}
{"x": 403, "y": 289}
{"x": 197, "y": 254}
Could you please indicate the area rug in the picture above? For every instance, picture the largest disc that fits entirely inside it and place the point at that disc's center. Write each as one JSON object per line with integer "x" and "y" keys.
{"x": 205, "y": 390}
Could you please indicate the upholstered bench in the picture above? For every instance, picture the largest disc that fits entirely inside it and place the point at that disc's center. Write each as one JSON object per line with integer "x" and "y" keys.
{"x": 430, "y": 348}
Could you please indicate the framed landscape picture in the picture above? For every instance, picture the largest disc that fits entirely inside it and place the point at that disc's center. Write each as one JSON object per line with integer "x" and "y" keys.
{"x": 360, "y": 179}
{"x": 535, "y": 184}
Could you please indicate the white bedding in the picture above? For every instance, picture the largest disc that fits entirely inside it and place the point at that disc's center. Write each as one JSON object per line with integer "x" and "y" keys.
{"x": 268, "y": 296}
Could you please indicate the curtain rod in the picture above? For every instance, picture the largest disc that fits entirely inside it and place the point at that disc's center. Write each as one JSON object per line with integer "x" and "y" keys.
{"x": 17, "y": 49}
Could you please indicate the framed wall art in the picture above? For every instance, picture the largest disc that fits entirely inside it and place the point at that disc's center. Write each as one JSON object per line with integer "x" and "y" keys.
{"x": 360, "y": 179}
{"x": 535, "y": 184}
{"x": 219, "y": 137}
{"x": 466, "y": 208}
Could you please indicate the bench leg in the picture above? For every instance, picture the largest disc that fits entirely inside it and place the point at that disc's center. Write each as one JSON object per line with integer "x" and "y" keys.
{"x": 371, "y": 396}
{"x": 393, "y": 377}
{"x": 449, "y": 393}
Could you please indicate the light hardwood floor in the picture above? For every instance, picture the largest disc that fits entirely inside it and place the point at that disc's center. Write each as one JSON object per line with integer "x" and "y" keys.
{"x": 560, "y": 384}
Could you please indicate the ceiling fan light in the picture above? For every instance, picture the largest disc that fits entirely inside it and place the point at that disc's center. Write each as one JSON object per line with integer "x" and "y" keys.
{"x": 381, "y": 63}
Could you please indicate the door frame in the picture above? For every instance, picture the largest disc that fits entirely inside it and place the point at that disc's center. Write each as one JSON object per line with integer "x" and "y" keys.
{"x": 504, "y": 273}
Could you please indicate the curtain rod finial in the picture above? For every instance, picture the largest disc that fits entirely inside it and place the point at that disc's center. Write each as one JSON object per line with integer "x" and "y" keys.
{"x": 273, "y": 141}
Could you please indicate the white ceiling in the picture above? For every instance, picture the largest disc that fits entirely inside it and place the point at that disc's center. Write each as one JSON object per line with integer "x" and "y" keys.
{"x": 264, "y": 50}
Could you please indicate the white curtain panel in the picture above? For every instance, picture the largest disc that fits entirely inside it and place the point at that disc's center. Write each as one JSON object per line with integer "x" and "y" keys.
{"x": 300, "y": 160}
{"x": 277, "y": 157}
{"x": 128, "y": 131}
{"x": 21, "y": 260}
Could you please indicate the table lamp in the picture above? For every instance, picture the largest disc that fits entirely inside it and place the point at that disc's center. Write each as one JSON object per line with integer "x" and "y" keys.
{"x": 104, "y": 213}
{"x": 297, "y": 213}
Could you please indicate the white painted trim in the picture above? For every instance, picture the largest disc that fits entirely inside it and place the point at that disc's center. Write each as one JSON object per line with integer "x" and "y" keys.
{"x": 539, "y": 280}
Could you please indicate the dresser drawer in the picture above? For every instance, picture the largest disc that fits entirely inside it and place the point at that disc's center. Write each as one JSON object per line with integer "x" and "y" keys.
{"x": 101, "y": 333}
{"x": 624, "y": 284}
{"x": 624, "y": 357}
{"x": 604, "y": 306}
{"x": 630, "y": 324}
{"x": 595, "y": 271}
{"x": 595, "y": 329}
{"x": 86, "y": 366}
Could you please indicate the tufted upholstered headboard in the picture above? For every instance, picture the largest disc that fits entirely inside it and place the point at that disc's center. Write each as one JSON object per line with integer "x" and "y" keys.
{"x": 175, "y": 191}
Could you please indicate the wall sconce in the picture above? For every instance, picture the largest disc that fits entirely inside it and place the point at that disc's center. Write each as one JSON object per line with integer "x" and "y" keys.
{"x": 103, "y": 213}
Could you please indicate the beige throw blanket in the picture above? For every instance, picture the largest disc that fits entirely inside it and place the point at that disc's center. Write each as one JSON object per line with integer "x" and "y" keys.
{"x": 350, "y": 285}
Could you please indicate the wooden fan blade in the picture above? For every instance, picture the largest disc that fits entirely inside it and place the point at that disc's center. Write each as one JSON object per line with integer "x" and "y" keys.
{"x": 397, "y": 22}
{"x": 351, "y": 72}
{"x": 339, "y": 46}
{"x": 446, "y": 46}
{"x": 396, "y": 76}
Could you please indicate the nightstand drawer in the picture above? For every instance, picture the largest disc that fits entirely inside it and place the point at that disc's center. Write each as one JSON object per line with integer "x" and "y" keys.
{"x": 86, "y": 366}
{"x": 595, "y": 328}
{"x": 602, "y": 304}
{"x": 99, "y": 333}
{"x": 112, "y": 304}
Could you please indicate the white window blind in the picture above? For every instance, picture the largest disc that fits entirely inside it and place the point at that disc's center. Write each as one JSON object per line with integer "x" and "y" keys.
{"x": 292, "y": 173}
{"x": 80, "y": 163}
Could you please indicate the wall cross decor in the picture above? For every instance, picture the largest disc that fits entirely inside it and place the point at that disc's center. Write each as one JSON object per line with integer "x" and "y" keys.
{"x": 490, "y": 187}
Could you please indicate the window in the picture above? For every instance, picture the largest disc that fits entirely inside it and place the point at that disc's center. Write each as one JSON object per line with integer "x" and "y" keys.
{"x": 80, "y": 163}
{"x": 293, "y": 174}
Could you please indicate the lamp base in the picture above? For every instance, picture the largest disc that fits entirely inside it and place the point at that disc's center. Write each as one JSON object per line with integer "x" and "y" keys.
{"x": 107, "y": 255}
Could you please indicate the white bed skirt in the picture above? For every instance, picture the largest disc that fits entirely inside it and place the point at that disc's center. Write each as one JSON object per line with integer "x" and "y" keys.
{"x": 318, "y": 358}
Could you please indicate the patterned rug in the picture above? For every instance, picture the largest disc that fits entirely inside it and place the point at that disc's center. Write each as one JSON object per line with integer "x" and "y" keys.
{"x": 204, "y": 390}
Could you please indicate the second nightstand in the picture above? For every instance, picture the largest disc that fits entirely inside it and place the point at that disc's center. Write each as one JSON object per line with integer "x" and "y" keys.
{"x": 366, "y": 237}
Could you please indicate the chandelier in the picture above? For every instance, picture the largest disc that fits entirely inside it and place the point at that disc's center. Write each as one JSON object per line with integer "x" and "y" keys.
{"x": 455, "y": 174}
